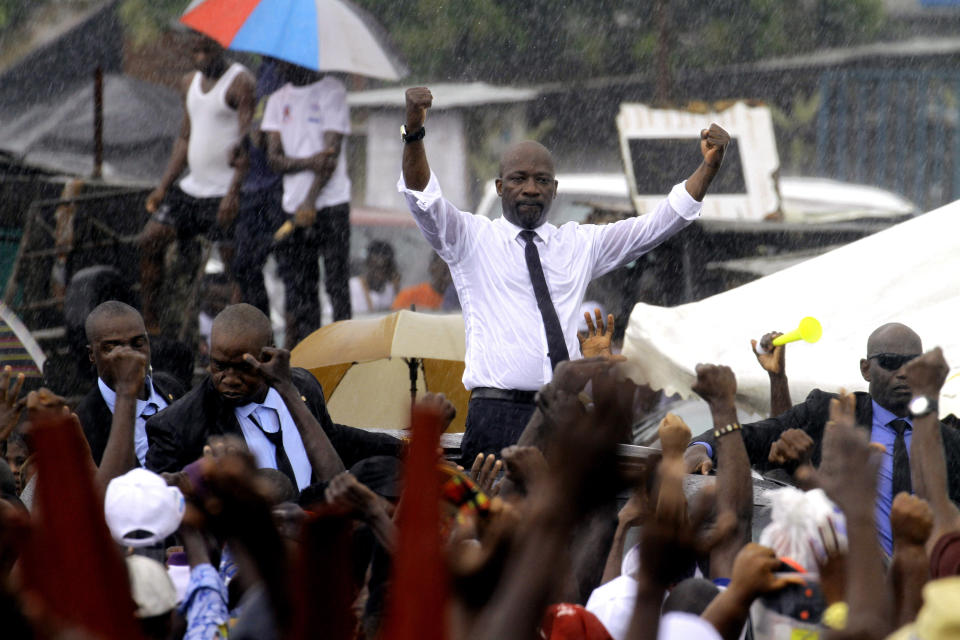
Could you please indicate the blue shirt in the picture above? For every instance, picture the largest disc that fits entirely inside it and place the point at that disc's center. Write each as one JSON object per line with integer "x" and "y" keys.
{"x": 205, "y": 605}
{"x": 882, "y": 433}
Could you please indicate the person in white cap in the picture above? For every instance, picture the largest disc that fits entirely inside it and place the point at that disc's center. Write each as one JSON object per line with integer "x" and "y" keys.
{"x": 154, "y": 595}
{"x": 141, "y": 510}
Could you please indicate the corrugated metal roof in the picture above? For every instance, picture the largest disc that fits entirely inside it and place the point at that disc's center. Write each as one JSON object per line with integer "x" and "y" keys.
{"x": 445, "y": 95}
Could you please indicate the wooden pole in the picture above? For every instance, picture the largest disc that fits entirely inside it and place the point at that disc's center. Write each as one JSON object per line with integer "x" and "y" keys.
{"x": 98, "y": 123}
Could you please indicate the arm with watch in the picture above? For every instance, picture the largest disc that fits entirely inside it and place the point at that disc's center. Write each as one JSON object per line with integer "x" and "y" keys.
{"x": 928, "y": 460}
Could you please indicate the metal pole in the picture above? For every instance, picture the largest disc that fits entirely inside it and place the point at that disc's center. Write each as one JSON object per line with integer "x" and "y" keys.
{"x": 98, "y": 123}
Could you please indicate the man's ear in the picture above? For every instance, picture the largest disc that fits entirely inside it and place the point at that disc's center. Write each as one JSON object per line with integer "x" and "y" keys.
{"x": 865, "y": 369}
{"x": 499, "y": 184}
{"x": 90, "y": 353}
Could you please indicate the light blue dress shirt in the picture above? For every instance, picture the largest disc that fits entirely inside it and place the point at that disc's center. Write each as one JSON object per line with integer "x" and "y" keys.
{"x": 272, "y": 410}
{"x": 882, "y": 433}
{"x": 145, "y": 408}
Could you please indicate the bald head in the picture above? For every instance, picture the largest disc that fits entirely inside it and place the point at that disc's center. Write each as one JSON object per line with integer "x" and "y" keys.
{"x": 104, "y": 314}
{"x": 889, "y": 348}
{"x": 894, "y": 337}
{"x": 244, "y": 319}
{"x": 524, "y": 152}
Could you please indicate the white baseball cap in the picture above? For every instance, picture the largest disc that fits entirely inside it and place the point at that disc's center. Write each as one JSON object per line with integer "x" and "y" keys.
{"x": 151, "y": 587}
{"x": 141, "y": 510}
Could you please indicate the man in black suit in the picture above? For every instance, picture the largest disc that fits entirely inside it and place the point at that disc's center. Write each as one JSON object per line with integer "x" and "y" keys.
{"x": 887, "y": 411}
{"x": 110, "y": 327}
{"x": 253, "y": 393}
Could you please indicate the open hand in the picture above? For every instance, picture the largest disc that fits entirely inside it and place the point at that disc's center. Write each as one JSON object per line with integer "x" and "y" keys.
{"x": 926, "y": 374}
{"x": 485, "y": 471}
{"x": 713, "y": 144}
{"x": 771, "y": 358}
{"x": 596, "y": 340}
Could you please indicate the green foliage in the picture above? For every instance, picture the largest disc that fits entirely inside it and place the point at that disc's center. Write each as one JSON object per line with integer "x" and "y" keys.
{"x": 508, "y": 41}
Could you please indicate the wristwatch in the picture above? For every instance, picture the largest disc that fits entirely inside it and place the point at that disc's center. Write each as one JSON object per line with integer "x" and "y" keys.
{"x": 411, "y": 136}
{"x": 922, "y": 405}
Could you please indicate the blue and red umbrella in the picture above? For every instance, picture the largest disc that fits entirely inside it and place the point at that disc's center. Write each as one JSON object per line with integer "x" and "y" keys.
{"x": 324, "y": 35}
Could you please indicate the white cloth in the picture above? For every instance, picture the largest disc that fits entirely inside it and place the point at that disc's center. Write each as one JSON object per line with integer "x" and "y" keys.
{"x": 145, "y": 408}
{"x": 214, "y": 132}
{"x": 380, "y": 301}
{"x": 505, "y": 337}
{"x": 902, "y": 274}
{"x": 268, "y": 414}
{"x": 677, "y": 625}
{"x": 613, "y": 603}
{"x": 301, "y": 115}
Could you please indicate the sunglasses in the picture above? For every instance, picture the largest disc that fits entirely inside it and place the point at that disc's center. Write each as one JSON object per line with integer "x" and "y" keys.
{"x": 892, "y": 361}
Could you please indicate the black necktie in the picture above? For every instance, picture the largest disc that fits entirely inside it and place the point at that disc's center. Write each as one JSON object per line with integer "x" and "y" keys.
{"x": 901, "y": 459}
{"x": 280, "y": 454}
{"x": 556, "y": 344}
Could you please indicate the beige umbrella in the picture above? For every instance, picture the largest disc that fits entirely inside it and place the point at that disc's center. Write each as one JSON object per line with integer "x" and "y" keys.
{"x": 370, "y": 367}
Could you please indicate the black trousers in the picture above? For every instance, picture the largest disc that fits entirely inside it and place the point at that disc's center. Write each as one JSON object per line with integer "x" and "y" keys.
{"x": 297, "y": 257}
{"x": 260, "y": 215}
{"x": 492, "y": 425}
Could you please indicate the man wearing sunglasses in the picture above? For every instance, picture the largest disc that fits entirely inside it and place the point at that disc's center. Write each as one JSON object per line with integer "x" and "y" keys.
{"x": 252, "y": 392}
{"x": 887, "y": 411}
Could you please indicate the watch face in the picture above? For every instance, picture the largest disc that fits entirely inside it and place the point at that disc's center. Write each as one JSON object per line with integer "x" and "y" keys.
{"x": 919, "y": 405}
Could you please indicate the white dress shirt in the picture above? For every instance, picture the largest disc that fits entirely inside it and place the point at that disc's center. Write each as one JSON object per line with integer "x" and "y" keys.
{"x": 145, "y": 408}
{"x": 505, "y": 337}
{"x": 267, "y": 414}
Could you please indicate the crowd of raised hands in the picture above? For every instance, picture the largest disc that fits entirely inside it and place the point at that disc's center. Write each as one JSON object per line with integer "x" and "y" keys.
{"x": 526, "y": 544}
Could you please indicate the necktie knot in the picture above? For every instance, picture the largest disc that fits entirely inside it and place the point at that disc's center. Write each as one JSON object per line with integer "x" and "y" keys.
{"x": 528, "y": 235}
{"x": 900, "y": 426}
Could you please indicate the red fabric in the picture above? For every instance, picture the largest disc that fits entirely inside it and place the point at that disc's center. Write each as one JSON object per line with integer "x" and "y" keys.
{"x": 71, "y": 564}
{"x": 416, "y": 608}
{"x": 572, "y": 622}
{"x": 220, "y": 19}
{"x": 945, "y": 556}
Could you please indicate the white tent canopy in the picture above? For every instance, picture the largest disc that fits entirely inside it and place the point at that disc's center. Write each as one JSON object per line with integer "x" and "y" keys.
{"x": 908, "y": 273}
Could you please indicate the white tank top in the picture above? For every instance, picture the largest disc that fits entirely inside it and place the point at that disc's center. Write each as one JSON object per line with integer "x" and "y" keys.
{"x": 214, "y": 131}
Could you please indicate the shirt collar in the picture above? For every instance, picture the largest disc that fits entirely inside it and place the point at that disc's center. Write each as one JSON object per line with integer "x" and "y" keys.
{"x": 885, "y": 416}
{"x": 273, "y": 400}
{"x": 110, "y": 396}
{"x": 544, "y": 231}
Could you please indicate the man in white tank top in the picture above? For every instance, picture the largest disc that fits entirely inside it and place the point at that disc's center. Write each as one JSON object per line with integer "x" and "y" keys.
{"x": 219, "y": 102}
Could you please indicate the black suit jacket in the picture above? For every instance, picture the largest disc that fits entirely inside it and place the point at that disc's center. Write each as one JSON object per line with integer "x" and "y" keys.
{"x": 811, "y": 416}
{"x": 96, "y": 418}
{"x": 177, "y": 434}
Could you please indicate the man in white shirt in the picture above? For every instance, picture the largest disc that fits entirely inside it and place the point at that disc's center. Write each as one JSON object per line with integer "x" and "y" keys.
{"x": 527, "y": 268}
{"x": 306, "y": 121}
{"x": 111, "y": 327}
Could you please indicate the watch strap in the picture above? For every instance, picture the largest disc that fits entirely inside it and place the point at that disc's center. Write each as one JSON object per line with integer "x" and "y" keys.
{"x": 412, "y": 136}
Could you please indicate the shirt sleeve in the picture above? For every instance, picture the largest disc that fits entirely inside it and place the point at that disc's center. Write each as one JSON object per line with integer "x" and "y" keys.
{"x": 336, "y": 113}
{"x": 205, "y": 605}
{"x": 271, "y": 115}
{"x": 446, "y": 228}
{"x": 622, "y": 242}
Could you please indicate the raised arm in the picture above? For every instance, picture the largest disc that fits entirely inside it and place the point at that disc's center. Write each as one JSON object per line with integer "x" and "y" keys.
{"x": 928, "y": 466}
{"x": 718, "y": 387}
{"x": 274, "y": 364}
{"x": 773, "y": 360}
{"x": 119, "y": 455}
{"x": 713, "y": 143}
{"x": 416, "y": 169}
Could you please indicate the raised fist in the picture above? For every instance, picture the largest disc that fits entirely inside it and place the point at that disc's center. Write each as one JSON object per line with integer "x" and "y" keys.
{"x": 713, "y": 142}
{"x": 419, "y": 99}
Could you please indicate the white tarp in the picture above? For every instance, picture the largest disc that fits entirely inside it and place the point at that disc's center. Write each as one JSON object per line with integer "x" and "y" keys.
{"x": 908, "y": 273}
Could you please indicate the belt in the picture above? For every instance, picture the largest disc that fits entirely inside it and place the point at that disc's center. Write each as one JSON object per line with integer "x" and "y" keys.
{"x": 510, "y": 395}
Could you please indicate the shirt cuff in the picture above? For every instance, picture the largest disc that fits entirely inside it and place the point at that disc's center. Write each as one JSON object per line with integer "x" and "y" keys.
{"x": 683, "y": 203}
{"x": 425, "y": 198}
{"x": 704, "y": 444}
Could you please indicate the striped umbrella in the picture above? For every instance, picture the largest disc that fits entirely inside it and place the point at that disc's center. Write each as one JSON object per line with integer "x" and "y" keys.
{"x": 323, "y": 35}
{"x": 17, "y": 346}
